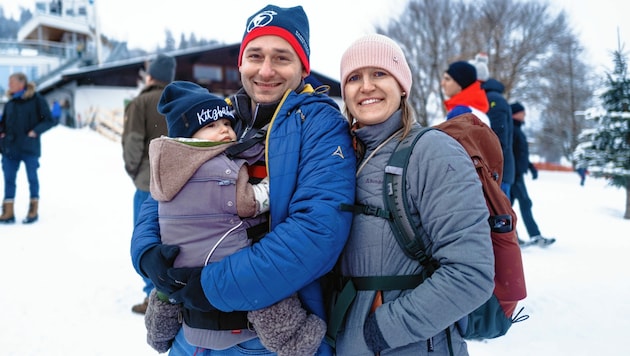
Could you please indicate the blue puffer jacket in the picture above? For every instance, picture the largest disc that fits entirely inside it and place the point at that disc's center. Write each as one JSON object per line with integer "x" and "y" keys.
{"x": 500, "y": 116}
{"x": 22, "y": 114}
{"x": 311, "y": 167}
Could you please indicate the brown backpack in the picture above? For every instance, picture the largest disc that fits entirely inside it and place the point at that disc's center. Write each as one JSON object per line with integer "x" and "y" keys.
{"x": 484, "y": 149}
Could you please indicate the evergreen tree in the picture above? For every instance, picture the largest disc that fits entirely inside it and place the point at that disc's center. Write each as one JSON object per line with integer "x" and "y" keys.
{"x": 605, "y": 149}
{"x": 183, "y": 43}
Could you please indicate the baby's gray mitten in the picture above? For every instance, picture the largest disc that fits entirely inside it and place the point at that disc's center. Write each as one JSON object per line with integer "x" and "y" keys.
{"x": 162, "y": 320}
{"x": 306, "y": 339}
{"x": 286, "y": 329}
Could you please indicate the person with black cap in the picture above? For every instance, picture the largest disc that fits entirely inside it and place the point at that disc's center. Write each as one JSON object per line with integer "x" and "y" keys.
{"x": 463, "y": 91}
{"x": 141, "y": 124}
{"x": 519, "y": 190}
{"x": 310, "y": 164}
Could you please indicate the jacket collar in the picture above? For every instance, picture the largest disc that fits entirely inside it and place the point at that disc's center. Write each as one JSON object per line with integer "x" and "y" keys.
{"x": 472, "y": 96}
{"x": 371, "y": 136}
{"x": 250, "y": 122}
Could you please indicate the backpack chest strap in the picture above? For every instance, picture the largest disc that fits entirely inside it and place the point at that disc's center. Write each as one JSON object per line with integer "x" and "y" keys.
{"x": 354, "y": 284}
{"x": 366, "y": 210}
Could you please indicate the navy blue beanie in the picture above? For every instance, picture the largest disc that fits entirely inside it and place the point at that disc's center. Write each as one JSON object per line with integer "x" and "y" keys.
{"x": 162, "y": 68}
{"x": 463, "y": 73}
{"x": 189, "y": 107}
{"x": 516, "y": 107}
{"x": 289, "y": 23}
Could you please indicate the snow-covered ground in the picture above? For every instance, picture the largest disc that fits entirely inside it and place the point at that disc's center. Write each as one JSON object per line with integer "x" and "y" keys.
{"x": 68, "y": 285}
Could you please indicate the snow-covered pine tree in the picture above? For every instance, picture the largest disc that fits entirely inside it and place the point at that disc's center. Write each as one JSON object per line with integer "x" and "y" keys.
{"x": 605, "y": 149}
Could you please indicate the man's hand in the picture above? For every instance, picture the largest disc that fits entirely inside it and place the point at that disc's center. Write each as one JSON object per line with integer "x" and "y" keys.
{"x": 155, "y": 262}
{"x": 191, "y": 294}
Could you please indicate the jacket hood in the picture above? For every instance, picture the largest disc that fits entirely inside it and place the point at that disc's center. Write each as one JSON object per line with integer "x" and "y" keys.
{"x": 173, "y": 162}
{"x": 29, "y": 92}
{"x": 472, "y": 96}
{"x": 493, "y": 85}
{"x": 241, "y": 103}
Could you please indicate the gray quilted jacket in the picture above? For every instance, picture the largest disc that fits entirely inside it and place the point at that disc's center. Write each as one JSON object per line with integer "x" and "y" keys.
{"x": 446, "y": 194}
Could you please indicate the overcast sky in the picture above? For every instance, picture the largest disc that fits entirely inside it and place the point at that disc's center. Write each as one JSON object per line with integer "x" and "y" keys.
{"x": 334, "y": 23}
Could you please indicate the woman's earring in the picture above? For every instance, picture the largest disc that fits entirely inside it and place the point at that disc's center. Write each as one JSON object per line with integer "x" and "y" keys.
{"x": 404, "y": 93}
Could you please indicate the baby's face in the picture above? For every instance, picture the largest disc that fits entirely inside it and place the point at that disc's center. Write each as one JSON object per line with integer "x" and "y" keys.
{"x": 217, "y": 131}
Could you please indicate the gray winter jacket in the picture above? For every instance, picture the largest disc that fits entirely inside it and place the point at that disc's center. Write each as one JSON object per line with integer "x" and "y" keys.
{"x": 446, "y": 195}
{"x": 201, "y": 193}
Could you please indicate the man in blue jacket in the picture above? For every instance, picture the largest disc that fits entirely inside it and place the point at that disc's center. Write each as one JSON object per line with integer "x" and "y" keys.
{"x": 310, "y": 164}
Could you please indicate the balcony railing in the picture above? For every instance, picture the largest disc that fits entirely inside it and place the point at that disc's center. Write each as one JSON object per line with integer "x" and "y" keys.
{"x": 41, "y": 48}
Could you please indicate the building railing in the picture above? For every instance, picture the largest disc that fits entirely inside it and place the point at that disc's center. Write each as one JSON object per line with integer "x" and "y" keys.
{"x": 40, "y": 48}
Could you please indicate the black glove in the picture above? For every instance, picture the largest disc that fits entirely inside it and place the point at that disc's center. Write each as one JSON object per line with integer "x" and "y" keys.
{"x": 534, "y": 171}
{"x": 155, "y": 262}
{"x": 191, "y": 295}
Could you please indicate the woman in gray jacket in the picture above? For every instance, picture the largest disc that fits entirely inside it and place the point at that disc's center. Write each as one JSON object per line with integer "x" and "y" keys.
{"x": 444, "y": 195}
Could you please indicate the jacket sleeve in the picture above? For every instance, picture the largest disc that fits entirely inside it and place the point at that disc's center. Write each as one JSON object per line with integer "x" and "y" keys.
{"x": 134, "y": 133}
{"x": 499, "y": 114}
{"x": 146, "y": 232}
{"x": 311, "y": 168}
{"x": 447, "y": 193}
{"x": 45, "y": 120}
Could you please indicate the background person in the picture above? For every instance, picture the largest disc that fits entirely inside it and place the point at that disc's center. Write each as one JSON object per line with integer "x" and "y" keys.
{"x": 25, "y": 117}
{"x": 500, "y": 116}
{"x": 519, "y": 190}
{"x": 460, "y": 86}
{"x": 143, "y": 123}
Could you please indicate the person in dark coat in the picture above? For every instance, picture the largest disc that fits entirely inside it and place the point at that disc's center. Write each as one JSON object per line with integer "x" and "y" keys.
{"x": 143, "y": 123}
{"x": 25, "y": 117}
{"x": 518, "y": 190}
{"x": 500, "y": 115}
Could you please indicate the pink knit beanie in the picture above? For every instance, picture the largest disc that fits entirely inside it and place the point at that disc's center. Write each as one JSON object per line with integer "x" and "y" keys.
{"x": 376, "y": 51}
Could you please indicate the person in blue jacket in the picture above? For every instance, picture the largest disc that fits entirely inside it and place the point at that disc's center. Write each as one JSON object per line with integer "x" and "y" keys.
{"x": 25, "y": 118}
{"x": 310, "y": 162}
{"x": 500, "y": 116}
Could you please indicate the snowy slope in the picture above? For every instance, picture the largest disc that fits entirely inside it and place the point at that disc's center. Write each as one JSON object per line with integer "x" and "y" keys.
{"x": 68, "y": 284}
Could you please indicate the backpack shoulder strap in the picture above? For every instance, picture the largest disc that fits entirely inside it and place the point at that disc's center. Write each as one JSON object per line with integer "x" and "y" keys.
{"x": 234, "y": 150}
{"x": 394, "y": 195}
